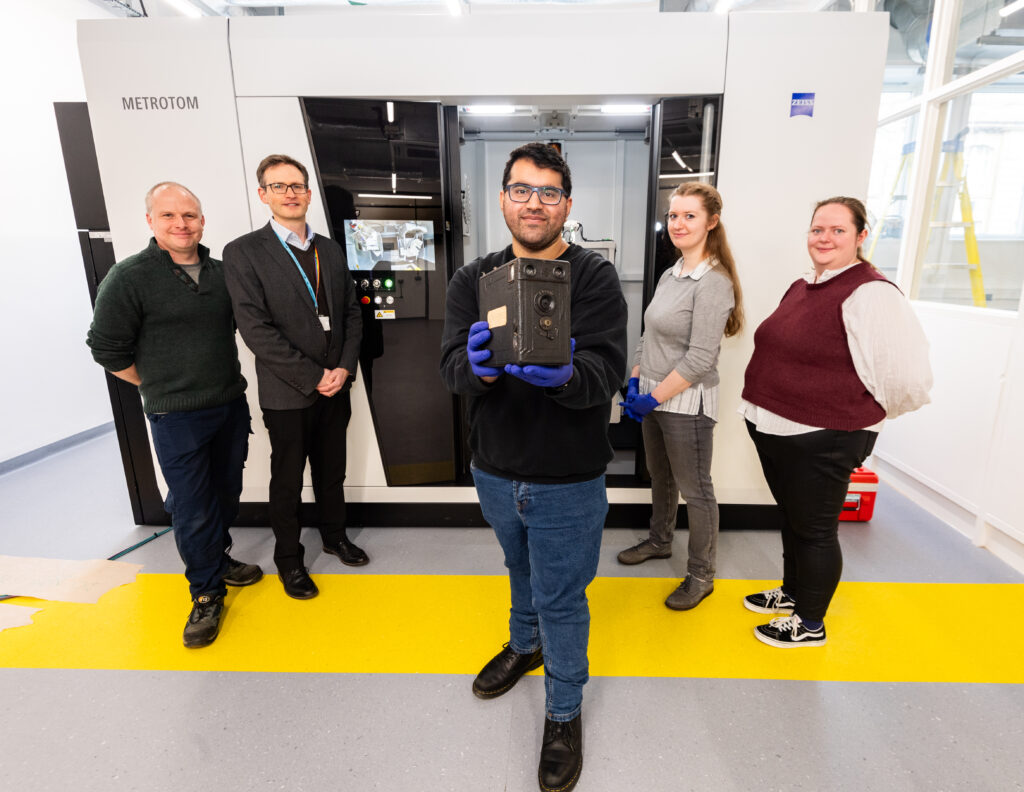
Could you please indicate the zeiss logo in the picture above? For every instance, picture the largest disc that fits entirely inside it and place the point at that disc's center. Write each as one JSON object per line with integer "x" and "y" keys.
{"x": 802, "y": 104}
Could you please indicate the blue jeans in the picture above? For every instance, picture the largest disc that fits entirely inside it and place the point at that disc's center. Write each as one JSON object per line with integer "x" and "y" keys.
{"x": 551, "y": 535}
{"x": 201, "y": 454}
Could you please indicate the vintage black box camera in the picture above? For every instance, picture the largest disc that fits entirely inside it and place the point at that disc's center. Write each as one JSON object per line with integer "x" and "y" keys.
{"x": 526, "y": 304}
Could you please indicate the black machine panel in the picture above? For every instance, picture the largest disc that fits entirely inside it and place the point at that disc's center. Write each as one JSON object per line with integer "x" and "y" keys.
{"x": 383, "y": 173}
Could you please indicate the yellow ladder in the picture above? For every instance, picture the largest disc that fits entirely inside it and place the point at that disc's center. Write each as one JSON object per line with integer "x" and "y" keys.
{"x": 953, "y": 166}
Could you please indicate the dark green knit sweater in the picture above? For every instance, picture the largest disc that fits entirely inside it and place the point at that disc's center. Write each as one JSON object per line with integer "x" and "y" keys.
{"x": 181, "y": 340}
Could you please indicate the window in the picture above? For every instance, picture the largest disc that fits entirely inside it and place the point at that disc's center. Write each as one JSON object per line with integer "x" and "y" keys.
{"x": 975, "y": 243}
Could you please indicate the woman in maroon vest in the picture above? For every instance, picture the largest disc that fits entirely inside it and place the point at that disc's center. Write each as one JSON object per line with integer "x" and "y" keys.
{"x": 841, "y": 353}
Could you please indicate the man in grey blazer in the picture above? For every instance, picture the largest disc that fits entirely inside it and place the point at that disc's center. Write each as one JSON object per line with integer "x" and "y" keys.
{"x": 295, "y": 306}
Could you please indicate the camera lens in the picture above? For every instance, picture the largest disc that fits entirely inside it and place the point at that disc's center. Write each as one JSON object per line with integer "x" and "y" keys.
{"x": 545, "y": 302}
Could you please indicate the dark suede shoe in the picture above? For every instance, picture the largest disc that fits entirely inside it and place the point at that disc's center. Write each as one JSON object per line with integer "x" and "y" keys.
{"x": 689, "y": 593}
{"x": 204, "y": 621}
{"x": 503, "y": 671}
{"x": 298, "y": 584}
{"x": 242, "y": 574}
{"x": 561, "y": 756}
{"x": 348, "y": 553}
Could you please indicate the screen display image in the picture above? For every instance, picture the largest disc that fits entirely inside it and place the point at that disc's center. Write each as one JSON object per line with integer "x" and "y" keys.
{"x": 390, "y": 244}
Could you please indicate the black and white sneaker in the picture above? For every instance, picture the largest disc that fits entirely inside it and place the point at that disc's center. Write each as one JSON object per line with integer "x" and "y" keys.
{"x": 789, "y": 631}
{"x": 772, "y": 601}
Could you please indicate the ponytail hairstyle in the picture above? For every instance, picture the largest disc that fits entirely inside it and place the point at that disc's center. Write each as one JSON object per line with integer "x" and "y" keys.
{"x": 858, "y": 214}
{"x": 717, "y": 246}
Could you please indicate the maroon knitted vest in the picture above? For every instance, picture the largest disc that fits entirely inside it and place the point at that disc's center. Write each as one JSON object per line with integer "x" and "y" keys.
{"x": 801, "y": 368}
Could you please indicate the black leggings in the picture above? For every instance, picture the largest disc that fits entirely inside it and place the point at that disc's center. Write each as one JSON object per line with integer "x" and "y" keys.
{"x": 809, "y": 475}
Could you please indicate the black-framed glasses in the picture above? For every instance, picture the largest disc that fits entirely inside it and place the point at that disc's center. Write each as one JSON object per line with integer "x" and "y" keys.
{"x": 521, "y": 193}
{"x": 281, "y": 189}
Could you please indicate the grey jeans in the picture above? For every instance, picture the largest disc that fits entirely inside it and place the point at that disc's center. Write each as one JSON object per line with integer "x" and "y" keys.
{"x": 679, "y": 459}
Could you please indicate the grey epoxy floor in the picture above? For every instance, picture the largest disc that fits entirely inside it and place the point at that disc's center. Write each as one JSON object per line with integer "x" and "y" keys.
{"x": 128, "y": 730}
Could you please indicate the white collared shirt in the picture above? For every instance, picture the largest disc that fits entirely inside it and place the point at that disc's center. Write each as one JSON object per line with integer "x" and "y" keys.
{"x": 289, "y": 237}
{"x": 699, "y": 271}
{"x": 889, "y": 351}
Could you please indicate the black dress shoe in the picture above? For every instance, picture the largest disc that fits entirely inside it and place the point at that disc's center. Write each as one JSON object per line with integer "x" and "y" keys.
{"x": 504, "y": 670}
{"x": 298, "y": 584}
{"x": 561, "y": 756}
{"x": 347, "y": 552}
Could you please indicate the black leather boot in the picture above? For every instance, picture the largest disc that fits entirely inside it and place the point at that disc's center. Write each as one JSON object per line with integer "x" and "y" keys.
{"x": 503, "y": 671}
{"x": 561, "y": 756}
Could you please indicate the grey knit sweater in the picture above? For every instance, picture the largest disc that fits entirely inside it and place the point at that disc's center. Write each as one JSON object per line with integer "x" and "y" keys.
{"x": 683, "y": 327}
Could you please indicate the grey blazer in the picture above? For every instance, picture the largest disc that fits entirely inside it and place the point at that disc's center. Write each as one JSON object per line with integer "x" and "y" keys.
{"x": 277, "y": 320}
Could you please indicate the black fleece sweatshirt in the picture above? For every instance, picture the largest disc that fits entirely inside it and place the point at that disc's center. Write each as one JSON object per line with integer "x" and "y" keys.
{"x": 524, "y": 432}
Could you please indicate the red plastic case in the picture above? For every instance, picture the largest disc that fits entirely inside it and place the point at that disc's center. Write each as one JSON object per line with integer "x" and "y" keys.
{"x": 860, "y": 498}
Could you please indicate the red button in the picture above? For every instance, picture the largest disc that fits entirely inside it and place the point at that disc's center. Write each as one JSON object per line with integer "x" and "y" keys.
{"x": 364, "y": 300}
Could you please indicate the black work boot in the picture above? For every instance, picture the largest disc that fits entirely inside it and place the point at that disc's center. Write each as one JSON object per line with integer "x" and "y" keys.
{"x": 503, "y": 671}
{"x": 204, "y": 621}
{"x": 561, "y": 756}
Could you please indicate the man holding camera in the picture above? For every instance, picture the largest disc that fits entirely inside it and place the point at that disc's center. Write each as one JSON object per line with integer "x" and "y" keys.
{"x": 539, "y": 436}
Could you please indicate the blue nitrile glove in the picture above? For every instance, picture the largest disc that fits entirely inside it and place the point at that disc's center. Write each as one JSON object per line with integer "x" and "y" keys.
{"x": 633, "y": 389}
{"x": 628, "y": 412}
{"x": 642, "y": 405}
{"x": 638, "y": 407}
{"x": 545, "y": 376}
{"x": 479, "y": 335}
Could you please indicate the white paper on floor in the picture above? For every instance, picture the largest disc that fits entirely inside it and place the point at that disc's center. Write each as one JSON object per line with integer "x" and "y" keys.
{"x": 59, "y": 579}
{"x": 15, "y": 615}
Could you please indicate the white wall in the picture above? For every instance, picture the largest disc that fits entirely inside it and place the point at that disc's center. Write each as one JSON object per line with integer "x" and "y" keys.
{"x": 960, "y": 455}
{"x": 52, "y": 389}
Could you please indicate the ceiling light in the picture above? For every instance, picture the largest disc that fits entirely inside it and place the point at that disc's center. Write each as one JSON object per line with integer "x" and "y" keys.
{"x": 677, "y": 158}
{"x": 186, "y": 8}
{"x": 403, "y": 197}
{"x": 626, "y": 109}
{"x": 685, "y": 175}
{"x": 391, "y": 112}
{"x": 490, "y": 109}
{"x": 1012, "y": 8}
{"x": 394, "y": 182}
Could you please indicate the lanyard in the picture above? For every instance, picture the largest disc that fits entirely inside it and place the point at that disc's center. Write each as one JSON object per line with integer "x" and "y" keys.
{"x": 302, "y": 272}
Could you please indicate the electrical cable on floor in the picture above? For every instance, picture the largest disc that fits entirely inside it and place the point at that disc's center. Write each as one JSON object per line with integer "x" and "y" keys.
{"x": 115, "y": 556}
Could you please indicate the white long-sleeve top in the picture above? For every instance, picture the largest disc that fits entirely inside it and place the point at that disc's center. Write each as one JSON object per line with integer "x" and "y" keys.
{"x": 889, "y": 351}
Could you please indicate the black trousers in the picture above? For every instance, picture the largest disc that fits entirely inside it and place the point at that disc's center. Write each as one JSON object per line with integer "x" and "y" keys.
{"x": 809, "y": 475}
{"x": 316, "y": 433}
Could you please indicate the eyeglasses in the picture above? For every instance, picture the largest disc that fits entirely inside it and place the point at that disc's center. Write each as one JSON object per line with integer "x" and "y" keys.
{"x": 281, "y": 189}
{"x": 521, "y": 193}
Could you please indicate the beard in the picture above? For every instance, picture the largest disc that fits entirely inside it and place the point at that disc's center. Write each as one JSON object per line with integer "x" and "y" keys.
{"x": 535, "y": 237}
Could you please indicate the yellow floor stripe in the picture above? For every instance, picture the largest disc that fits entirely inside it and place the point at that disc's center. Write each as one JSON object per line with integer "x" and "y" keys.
{"x": 921, "y": 632}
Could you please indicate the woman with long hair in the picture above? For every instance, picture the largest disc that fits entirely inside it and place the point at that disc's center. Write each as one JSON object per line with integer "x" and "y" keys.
{"x": 673, "y": 387}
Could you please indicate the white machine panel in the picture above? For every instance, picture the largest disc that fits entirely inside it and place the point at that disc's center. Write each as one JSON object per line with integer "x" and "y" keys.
{"x": 410, "y": 56}
{"x": 162, "y": 106}
{"x": 774, "y": 167}
{"x": 274, "y": 125}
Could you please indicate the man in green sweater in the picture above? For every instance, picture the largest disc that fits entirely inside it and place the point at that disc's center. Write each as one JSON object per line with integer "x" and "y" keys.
{"x": 163, "y": 322}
